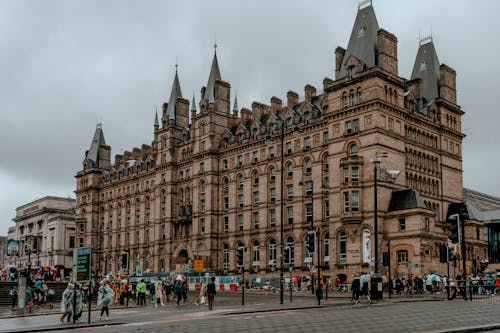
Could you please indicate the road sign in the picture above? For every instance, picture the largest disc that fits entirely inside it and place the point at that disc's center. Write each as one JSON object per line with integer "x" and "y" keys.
{"x": 82, "y": 264}
{"x": 198, "y": 265}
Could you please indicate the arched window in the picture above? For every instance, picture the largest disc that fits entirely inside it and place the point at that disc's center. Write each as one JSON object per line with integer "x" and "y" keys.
{"x": 342, "y": 248}
{"x": 272, "y": 174}
{"x": 308, "y": 165}
{"x": 272, "y": 253}
{"x": 353, "y": 149}
{"x": 255, "y": 178}
{"x": 255, "y": 254}
{"x": 345, "y": 100}
{"x": 289, "y": 170}
{"x": 226, "y": 184}
{"x": 240, "y": 181}
{"x": 307, "y": 117}
{"x": 360, "y": 96}
{"x": 325, "y": 162}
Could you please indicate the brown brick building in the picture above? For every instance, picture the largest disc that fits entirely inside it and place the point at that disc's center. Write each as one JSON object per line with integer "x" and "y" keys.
{"x": 210, "y": 180}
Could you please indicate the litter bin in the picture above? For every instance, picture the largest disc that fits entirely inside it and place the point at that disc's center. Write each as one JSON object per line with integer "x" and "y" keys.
{"x": 376, "y": 287}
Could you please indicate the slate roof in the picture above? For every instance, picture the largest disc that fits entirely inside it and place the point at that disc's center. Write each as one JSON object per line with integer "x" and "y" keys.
{"x": 363, "y": 43}
{"x": 97, "y": 141}
{"x": 174, "y": 94}
{"x": 405, "y": 199}
{"x": 426, "y": 68}
{"x": 214, "y": 75}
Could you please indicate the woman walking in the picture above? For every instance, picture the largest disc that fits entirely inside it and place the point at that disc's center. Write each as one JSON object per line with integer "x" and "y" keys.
{"x": 355, "y": 288}
{"x": 67, "y": 301}
{"x": 104, "y": 299}
{"x": 203, "y": 294}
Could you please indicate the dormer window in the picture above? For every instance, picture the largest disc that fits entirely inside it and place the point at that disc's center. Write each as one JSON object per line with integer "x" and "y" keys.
{"x": 361, "y": 31}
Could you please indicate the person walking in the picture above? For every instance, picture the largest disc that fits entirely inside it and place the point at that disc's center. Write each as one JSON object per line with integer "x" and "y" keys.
{"x": 355, "y": 288}
{"x": 168, "y": 290}
{"x": 13, "y": 296}
{"x": 141, "y": 292}
{"x": 178, "y": 291}
{"x": 29, "y": 298}
{"x": 203, "y": 294}
{"x": 211, "y": 293}
{"x": 159, "y": 294}
{"x": 104, "y": 299}
{"x": 152, "y": 292}
{"x": 184, "y": 291}
{"x": 67, "y": 302}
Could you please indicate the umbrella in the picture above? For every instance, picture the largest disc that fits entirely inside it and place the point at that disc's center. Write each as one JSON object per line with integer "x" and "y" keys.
{"x": 179, "y": 277}
{"x": 435, "y": 278}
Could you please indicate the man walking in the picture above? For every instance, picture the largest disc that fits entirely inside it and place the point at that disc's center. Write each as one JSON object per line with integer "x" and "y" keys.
{"x": 211, "y": 293}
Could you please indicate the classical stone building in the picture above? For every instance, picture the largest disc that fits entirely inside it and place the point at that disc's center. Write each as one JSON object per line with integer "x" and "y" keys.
{"x": 45, "y": 229}
{"x": 210, "y": 181}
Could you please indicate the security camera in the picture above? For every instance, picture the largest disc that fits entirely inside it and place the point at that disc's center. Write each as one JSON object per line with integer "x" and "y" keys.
{"x": 393, "y": 173}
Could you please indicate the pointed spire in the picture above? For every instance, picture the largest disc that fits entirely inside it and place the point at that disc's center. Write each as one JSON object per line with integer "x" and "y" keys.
{"x": 157, "y": 124}
{"x": 174, "y": 94}
{"x": 193, "y": 104}
{"x": 426, "y": 67}
{"x": 363, "y": 42}
{"x": 97, "y": 141}
{"x": 214, "y": 75}
{"x": 235, "y": 107}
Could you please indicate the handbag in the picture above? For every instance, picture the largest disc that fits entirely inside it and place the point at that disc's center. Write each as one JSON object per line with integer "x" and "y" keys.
{"x": 202, "y": 300}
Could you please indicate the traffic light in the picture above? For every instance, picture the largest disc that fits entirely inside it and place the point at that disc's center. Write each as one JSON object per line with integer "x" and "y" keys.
{"x": 124, "y": 260}
{"x": 451, "y": 255}
{"x": 286, "y": 254}
{"x": 310, "y": 239}
{"x": 239, "y": 256}
{"x": 443, "y": 253}
{"x": 454, "y": 225}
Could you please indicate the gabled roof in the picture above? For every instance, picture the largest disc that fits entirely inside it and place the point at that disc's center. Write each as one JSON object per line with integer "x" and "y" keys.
{"x": 97, "y": 141}
{"x": 405, "y": 199}
{"x": 426, "y": 68}
{"x": 174, "y": 94}
{"x": 214, "y": 75}
{"x": 363, "y": 42}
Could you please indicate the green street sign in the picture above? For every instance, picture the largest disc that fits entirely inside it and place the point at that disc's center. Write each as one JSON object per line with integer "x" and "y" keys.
{"x": 82, "y": 264}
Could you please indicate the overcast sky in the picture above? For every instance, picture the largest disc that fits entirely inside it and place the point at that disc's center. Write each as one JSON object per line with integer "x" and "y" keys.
{"x": 66, "y": 65}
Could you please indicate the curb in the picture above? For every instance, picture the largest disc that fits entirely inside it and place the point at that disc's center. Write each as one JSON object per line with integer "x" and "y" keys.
{"x": 65, "y": 327}
{"x": 482, "y": 328}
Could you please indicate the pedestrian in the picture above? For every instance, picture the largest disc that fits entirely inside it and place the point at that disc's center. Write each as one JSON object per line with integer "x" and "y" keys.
{"x": 168, "y": 290}
{"x": 211, "y": 292}
{"x": 51, "y": 295}
{"x": 13, "y": 296}
{"x": 67, "y": 301}
{"x": 78, "y": 303}
{"x": 184, "y": 291}
{"x": 104, "y": 299}
{"x": 152, "y": 292}
{"x": 355, "y": 288}
{"x": 29, "y": 298}
{"x": 178, "y": 291}
{"x": 159, "y": 294}
{"x": 141, "y": 292}
{"x": 364, "y": 280}
{"x": 203, "y": 294}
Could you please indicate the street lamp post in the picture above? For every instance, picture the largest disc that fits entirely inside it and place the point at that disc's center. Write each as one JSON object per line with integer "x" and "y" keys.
{"x": 393, "y": 174}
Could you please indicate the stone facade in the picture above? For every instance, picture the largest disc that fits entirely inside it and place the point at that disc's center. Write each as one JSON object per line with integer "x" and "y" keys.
{"x": 45, "y": 229}
{"x": 211, "y": 179}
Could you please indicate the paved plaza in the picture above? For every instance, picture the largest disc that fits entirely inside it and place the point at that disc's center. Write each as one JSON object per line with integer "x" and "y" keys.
{"x": 263, "y": 313}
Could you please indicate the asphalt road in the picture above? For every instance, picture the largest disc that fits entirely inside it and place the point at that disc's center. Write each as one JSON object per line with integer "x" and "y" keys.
{"x": 265, "y": 314}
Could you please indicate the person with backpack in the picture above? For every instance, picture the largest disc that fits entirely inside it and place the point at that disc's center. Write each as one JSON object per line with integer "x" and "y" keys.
{"x": 211, "y": 292}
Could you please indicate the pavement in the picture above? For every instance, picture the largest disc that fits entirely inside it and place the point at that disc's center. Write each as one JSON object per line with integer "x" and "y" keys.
{"x": 264, "y": 313}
